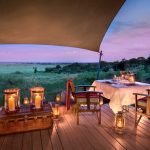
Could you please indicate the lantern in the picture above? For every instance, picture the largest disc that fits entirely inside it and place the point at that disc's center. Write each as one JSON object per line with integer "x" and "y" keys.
{"x": 101, "y": 101}
{"x": 56, "y": 111}
{"x": 58, "y": 98}
{"x": 26, "y": 101}
{"x": 131, "y": 78}
{"x": 11, "y": 100}
{"x": 119, "y": 122}
{"x": 36, "y": 97}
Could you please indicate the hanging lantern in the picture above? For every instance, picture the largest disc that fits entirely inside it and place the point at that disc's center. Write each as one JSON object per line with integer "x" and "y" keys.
{"x": 36, "y": 97}
{"x": 11, "y": 100}
{"x": 119, "y": 122}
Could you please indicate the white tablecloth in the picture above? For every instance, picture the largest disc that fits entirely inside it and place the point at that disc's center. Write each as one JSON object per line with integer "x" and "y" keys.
{"x": 119, "y": 93}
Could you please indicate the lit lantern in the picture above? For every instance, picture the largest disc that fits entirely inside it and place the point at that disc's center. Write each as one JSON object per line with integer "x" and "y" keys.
{"x": 119, "y": 122}
{"x": 131, "y": 78}
{"x": 36, "y": 97}
{"x": 12, "y": 100}
{"x": 58, "y": 98}
{"x": 26, "y": 101}
{"x": 56, "y": 111}
{"x": 101, "y": 101}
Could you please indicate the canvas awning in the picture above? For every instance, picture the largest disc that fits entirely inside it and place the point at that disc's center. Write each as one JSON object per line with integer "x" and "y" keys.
{"x": 75, "y": 23}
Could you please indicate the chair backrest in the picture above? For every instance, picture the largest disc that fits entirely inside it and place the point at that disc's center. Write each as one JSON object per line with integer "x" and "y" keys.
{"x": 71, "y": 84}
{"x": 148, "y": 106}
{"x": 70, "y": 88}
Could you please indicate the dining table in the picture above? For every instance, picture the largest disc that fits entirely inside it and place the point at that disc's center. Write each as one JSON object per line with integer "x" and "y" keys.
{"x": 120, "y": 93}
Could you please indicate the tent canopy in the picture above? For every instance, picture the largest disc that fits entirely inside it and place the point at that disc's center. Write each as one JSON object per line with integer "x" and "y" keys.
{"x": 76, "y": 23}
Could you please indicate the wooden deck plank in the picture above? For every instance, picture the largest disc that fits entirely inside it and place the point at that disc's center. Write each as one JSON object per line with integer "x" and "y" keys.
{"x": 65, "y": 139}
{"x": 46, "y": 140}
{"x": 130, "y": 131}
{"x": 7, "y": 144}
{"x": 66, "y": 134}
{"x": 17, "y": 141}
{"x": 96, "y": 138}
{"x": 1, "y": 140}
{"x": 101, "y": 130}
{"x": 143, "y": 120}
{"x": 141, "y": 134}
{"x": 129, "y": 140}
{"x": 55, "y": 139}
{"x": 72, "y": 135}
{"x": 36, "y": 140}
{"x": 27, "y": 141}
{"x": 80, "y": 133}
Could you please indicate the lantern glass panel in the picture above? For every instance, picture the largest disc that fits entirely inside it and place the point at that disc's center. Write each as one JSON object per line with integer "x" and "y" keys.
{"x": 58, "y": 98}
{"x": 119, "y": 122}
{"x": 12, "y": 100}
{"x": 37, "y": 97}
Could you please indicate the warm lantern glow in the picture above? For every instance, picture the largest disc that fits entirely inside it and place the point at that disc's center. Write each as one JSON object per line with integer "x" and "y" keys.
{"x": 11, "y": 100}
{"x": 56, "y": 111}
{"x": 131, "y": 79}
{"x": 58, "y": 98}
{"x": 36, "y": 97}
{"x": 26, "y": 101}
{"x": 37, "y": 101}
{"x": 119, "y": 122}
{"x": 11, "y": 103}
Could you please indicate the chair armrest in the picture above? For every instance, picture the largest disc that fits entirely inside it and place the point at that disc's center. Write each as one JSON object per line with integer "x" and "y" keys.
{"x": 141, "y": 94}
{"x": 84, "y": 92}
{"x": 84, "y": 87}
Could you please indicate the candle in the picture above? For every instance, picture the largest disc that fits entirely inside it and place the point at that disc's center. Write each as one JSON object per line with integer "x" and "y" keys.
{"x": 131, "y": 79}
{"x": 26, "y": 101}
{"x": 58, "y": 98}
{"x": 37, "y": 101}
{"x": 11, "y": 103}
{"x": 56, "y": 112}
{"x": 120, "y": 124}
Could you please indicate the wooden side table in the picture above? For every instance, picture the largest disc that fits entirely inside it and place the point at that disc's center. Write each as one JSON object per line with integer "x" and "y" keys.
{"x": 26, "y": 120}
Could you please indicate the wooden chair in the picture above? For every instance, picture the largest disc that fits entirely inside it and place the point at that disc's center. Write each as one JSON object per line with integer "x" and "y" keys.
{"x": 86, "y": 101}
{"x": 142, "y": 106}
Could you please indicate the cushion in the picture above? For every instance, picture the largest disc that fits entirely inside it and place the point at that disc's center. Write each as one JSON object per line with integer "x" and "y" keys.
{"x": 144, "y": 103}
{"x": 84, "y": 100}
{"x": 83, "y": 95}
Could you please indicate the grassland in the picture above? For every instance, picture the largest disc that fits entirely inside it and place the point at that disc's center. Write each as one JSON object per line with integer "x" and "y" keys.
{"x": 53, "y": 77}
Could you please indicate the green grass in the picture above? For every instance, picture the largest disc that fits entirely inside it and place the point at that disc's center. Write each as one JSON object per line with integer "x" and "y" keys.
{"x": 22, "y": 76}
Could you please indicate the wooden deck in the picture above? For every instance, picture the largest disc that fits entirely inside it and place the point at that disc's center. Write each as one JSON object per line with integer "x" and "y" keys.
{"x": 67, "y": 135}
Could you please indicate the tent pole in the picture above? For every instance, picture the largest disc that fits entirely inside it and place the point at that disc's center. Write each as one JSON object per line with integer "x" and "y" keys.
{"x": 99, "y": 64}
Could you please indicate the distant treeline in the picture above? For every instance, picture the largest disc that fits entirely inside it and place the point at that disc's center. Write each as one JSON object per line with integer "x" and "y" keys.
{"x": 124, "y": 64}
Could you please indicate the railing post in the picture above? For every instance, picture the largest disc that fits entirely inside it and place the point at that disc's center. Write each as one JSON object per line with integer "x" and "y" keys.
{"x": 99, "y": 64}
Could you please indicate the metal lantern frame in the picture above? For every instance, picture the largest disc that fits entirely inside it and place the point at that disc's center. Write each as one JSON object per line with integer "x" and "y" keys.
{"x": 119, "y": 122}
{"x": 11, "y": 100}
{"x": 36, "y": 94}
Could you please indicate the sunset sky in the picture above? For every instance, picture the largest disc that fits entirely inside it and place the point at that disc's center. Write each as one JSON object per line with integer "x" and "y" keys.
{"x": 127, "y": 37}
